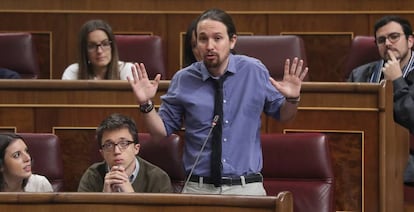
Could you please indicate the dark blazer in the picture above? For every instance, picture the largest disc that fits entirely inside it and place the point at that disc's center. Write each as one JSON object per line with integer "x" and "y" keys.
{"x": 8, "y": 74}
{"x": 363, "y": 73}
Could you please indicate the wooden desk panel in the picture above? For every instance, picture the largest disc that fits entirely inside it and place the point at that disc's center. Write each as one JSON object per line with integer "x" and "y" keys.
{"x": 368, "y": 149}
{"x": 103, "y": 202}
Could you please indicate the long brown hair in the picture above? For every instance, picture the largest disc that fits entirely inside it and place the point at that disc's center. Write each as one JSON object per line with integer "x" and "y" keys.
{"x": 85, "y": 67}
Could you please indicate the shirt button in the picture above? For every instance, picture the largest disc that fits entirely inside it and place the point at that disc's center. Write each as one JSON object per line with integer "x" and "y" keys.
{"x": 226, "y": 121}
{"x": 225, "y": 139}
{"x": 224, "y": 160}
{"x": 224, "y": 101}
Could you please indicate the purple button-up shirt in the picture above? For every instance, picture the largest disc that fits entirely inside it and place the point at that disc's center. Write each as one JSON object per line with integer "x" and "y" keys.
{"x": 247, "y": 93}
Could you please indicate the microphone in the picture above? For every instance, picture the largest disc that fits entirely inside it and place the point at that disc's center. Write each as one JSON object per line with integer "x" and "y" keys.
{"x": 213, "y": 124}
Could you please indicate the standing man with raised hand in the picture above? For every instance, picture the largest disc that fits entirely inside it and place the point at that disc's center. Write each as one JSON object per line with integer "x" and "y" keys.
{"x": 233, "y": 89}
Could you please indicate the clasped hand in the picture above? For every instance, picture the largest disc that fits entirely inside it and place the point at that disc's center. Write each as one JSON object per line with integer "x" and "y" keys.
{"x": 117, "y": 180}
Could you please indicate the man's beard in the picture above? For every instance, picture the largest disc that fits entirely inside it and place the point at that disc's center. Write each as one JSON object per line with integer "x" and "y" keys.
{"x": 211, "y": 64}
{"x": 398, "y": 56}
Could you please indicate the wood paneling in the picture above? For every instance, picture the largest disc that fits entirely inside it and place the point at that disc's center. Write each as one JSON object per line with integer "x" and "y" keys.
{"x": 199, "y": 5}
{"x": 127, "y": 202}
{"x": 326, "y": 27}
{"x": 79, "y": 151}
{"x": 49, "y": 34}
{"x": 356, "y": 117}
{"x": 326, "y": 34}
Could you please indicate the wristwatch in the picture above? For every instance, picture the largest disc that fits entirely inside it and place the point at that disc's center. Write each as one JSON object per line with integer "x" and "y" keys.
{"x": 293, "y": 100}
{"x": 147, "y": 107}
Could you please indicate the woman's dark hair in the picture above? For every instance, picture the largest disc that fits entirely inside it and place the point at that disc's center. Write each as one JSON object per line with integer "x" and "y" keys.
{"x": 117, "y": 121}
{"x": 85, "y": 67}
{"x": 189, "y": 57}
{"x": 5, "y": 140}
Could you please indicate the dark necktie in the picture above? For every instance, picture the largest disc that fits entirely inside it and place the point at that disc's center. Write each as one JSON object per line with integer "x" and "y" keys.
{"x": 216, "y": 164}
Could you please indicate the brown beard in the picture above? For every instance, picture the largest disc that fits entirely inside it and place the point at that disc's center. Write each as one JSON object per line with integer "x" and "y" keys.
{"x": 398, "y": 57}
{"x": 209, "y": 64}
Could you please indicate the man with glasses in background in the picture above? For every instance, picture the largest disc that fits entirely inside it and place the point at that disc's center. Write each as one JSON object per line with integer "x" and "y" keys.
{"x": 122, "y": 170}
{"x": 394, "y": 39}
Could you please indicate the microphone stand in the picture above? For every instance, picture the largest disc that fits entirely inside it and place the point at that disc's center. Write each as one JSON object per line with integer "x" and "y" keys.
{"x": 213, "y": 124}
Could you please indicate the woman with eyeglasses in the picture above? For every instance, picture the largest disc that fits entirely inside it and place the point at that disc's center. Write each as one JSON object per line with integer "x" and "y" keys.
{"x": 98, "y": 55}
{"x": 16, "y": 167}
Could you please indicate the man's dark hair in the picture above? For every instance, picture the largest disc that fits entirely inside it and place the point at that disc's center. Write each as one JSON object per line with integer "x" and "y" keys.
{"x": 405, "y": 24}
{"x": 114, "y": 122}
{"x": 220, "y": 16}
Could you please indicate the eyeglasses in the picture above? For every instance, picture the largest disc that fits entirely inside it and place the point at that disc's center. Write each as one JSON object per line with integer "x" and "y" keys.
{"x": 105, "y": 45}
{"x": 392, "y": 37}
{"x": 110, "y": 146}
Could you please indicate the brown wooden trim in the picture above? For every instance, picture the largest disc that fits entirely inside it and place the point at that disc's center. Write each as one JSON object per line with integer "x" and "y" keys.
{"x": 257, "y": 12}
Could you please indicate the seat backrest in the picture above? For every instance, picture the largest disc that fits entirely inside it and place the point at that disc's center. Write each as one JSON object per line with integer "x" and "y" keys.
{"x": 272, "y": 50}
{"x": 147, "y": 49}
{"x": 363, "y": 50}
{"x": 46, "y": 154}
{"x": 166, "y": 154}
{"x": 299, "y": 163}
{"x": 17, "y": 53}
